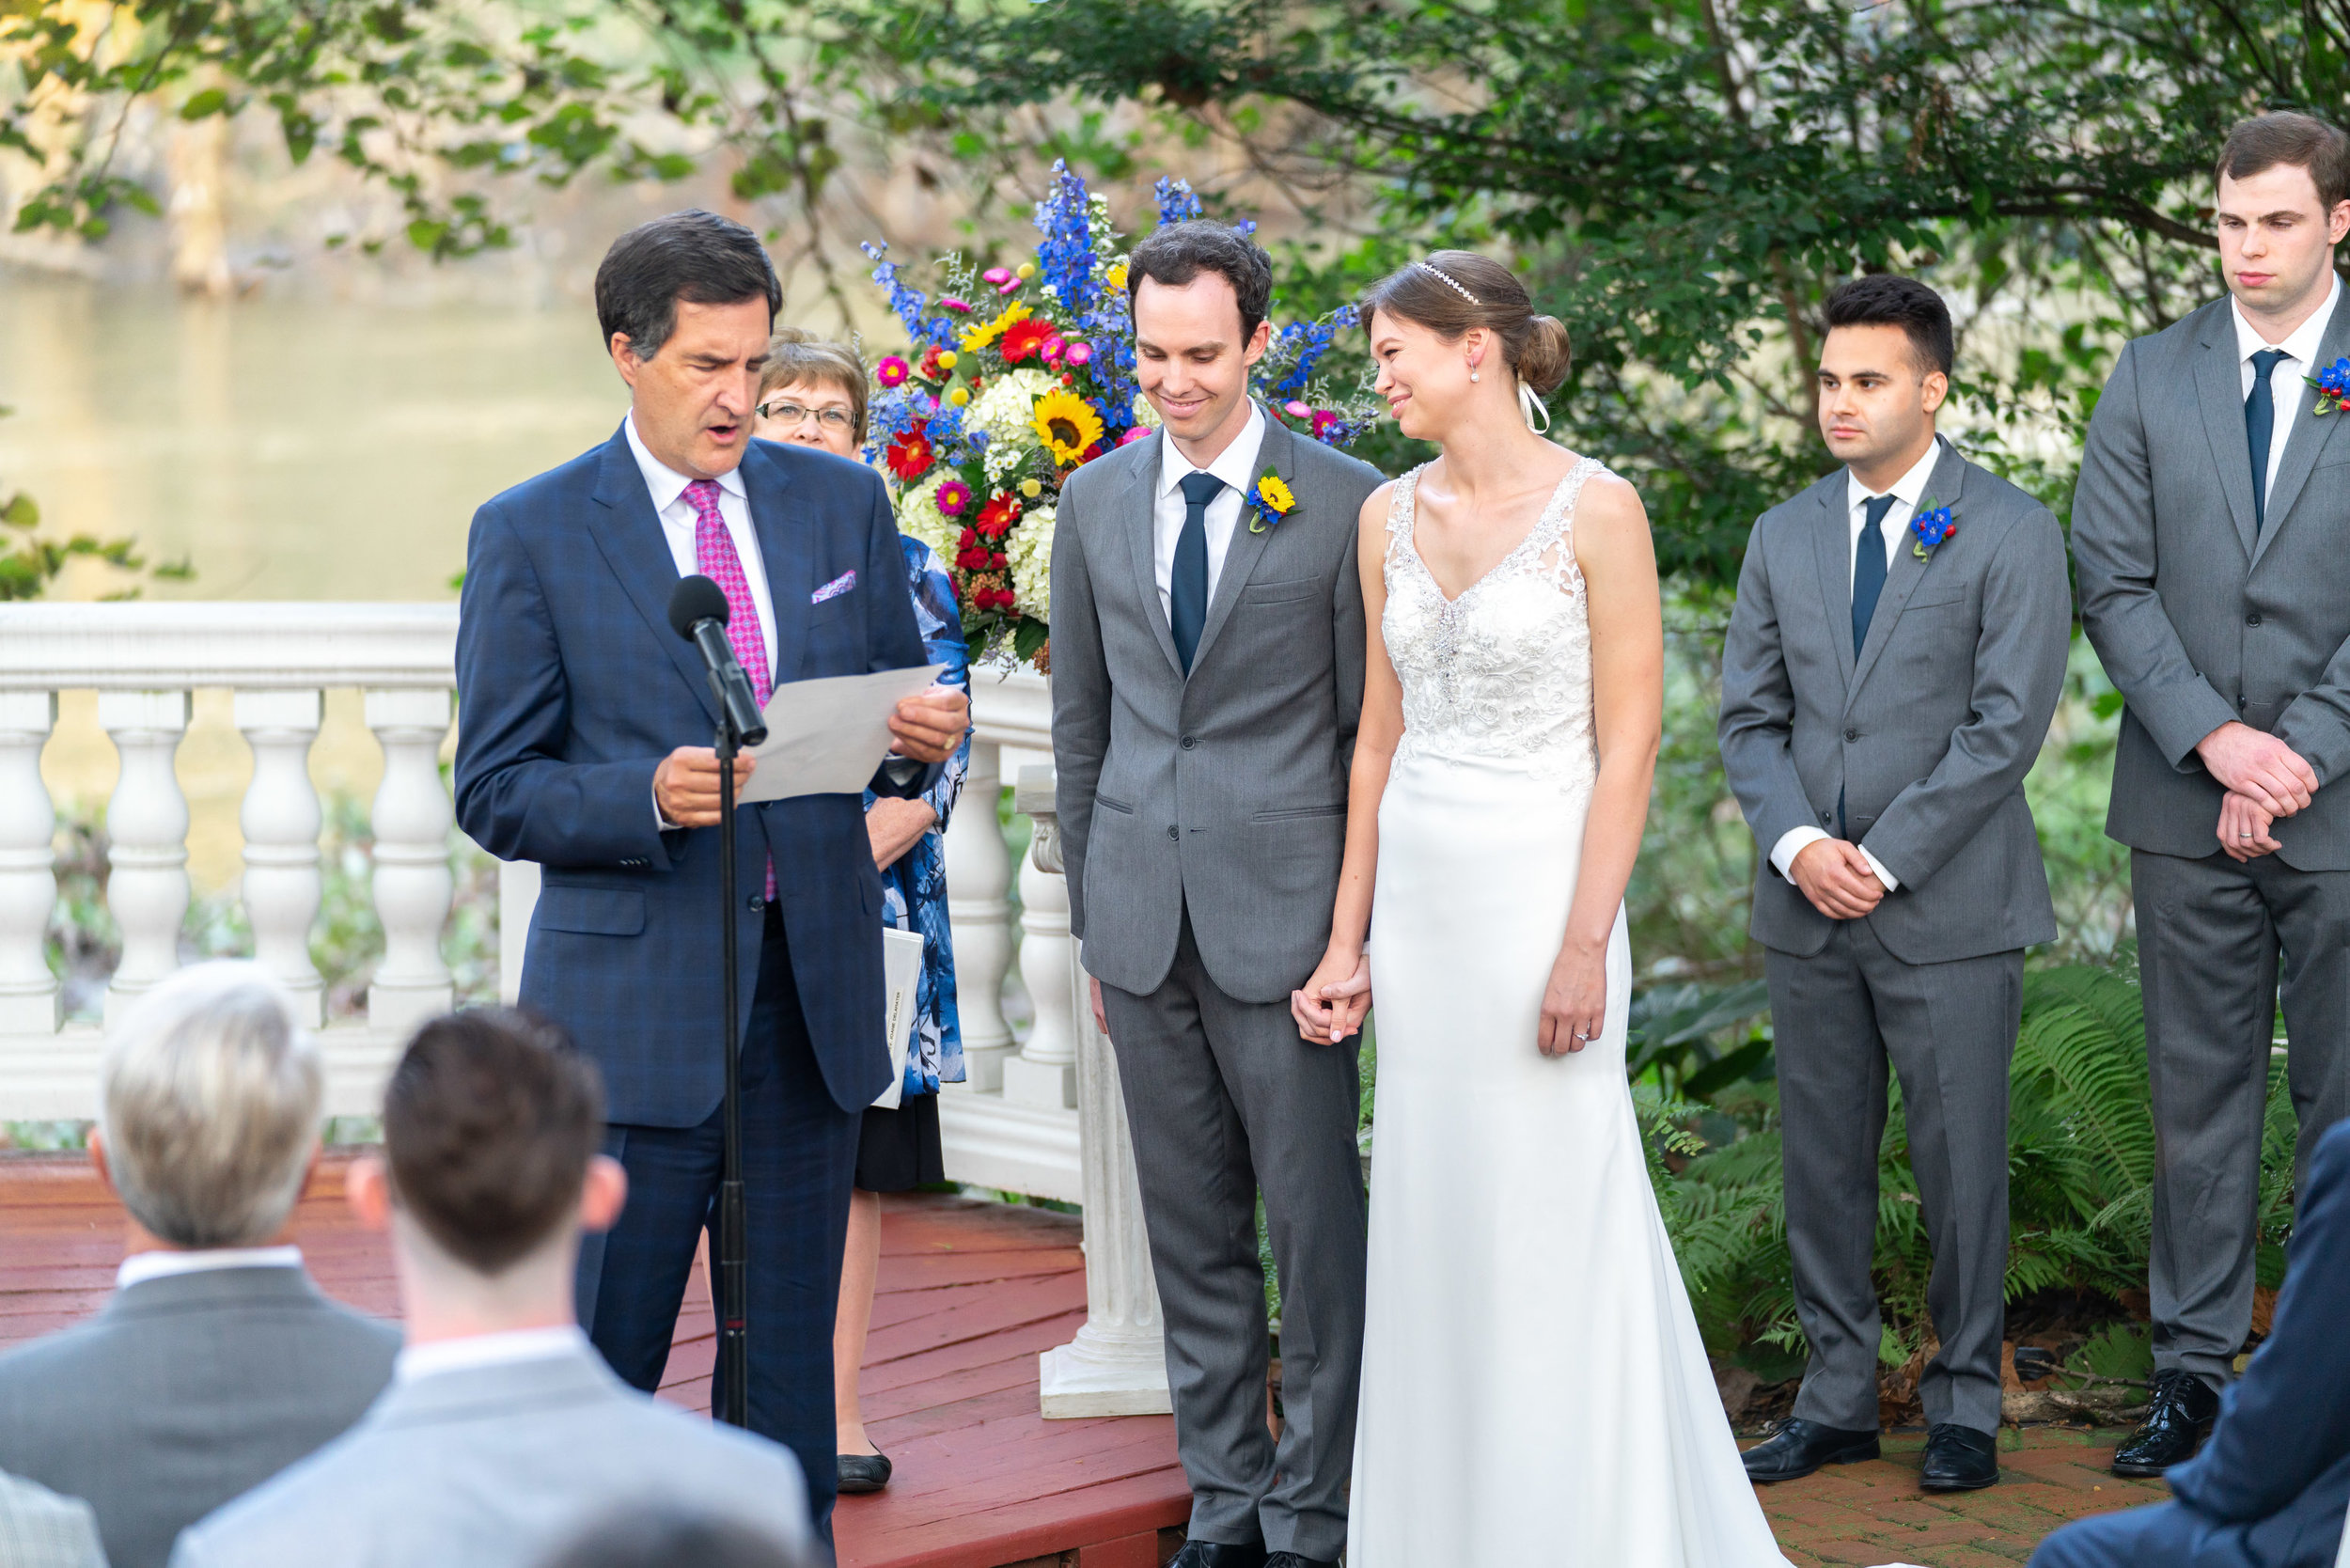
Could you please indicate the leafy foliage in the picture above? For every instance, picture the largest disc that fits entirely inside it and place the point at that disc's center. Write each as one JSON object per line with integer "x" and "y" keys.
{"x": 29, "y": 564}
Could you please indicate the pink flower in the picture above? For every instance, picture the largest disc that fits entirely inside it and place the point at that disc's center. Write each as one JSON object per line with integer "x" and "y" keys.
{"x": 1053, "y": 347}
{"x": 999, "y": 276}
{"x": 952, "y": 497}
{"x": 1325, "y": 421}
{"x": 892, "y": 371}
{"x": 961, "y": 307}
{"x": 1296, "y": 410}
{"x": 1077, "y": 353}
{"x": 1132, "y": 436}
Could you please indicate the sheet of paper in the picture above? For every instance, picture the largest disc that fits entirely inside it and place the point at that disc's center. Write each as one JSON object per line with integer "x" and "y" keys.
{"x": 826, "y": 737}
{"x": 902, "y": 977}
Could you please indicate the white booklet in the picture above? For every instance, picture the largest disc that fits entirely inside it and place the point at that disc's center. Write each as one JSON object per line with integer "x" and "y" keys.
{"x": 826, "y": 736}
{"x": 901, "y": 971}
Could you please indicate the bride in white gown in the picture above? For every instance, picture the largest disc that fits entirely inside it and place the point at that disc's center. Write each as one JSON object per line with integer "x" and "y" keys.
{"x": 1534, "y": 1391}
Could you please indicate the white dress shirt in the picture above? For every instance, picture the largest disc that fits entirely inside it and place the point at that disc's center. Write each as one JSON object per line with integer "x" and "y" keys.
{"x": 1908, "y": 491}
{"x": 142, "y": 1266}
{"x": 1236, "y": 465}
{"x": 676, "y": 528}
{"x": 2285, "y": 378}
{"x": 488, "y": 1350}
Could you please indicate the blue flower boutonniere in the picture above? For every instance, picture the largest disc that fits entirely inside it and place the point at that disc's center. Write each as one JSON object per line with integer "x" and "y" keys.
{"x": 1932, "y": 525}
{"x": 2333, "y": 387}
{"x": 1271, "y": 500}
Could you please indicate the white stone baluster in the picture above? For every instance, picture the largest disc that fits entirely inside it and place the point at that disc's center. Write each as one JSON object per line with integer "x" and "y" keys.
{"x": 1045, "y": 1071}
{"x": 979, "y": 914}
{"x": 1117, "y": 1365}
{"x": 281, "y": 820}
{"x": 146, "y": 826}
{"x": 28, "y": 875}
{"x": 413, "y": 884}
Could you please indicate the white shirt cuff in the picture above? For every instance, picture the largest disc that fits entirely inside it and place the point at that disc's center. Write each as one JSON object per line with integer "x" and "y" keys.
{"x": 1797, "y": 839}
{"x": 660, "y": 818}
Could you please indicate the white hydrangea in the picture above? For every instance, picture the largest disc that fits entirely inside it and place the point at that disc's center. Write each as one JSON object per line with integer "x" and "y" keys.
{"x": 1030, "y": 548}
{"x": 1006, "y": 410}
{"x": 918, "y": 517}
{"x": 1145, "y": 416}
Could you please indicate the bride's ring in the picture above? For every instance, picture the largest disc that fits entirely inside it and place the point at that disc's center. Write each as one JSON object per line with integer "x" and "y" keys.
{"x": 2244, "y": 836}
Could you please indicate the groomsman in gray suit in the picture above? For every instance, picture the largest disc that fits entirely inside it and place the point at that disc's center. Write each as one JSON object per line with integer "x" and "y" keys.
{"x": 2212, "y": 530}
{"x": 1895, "y": 653}
{"x": 1207, "y": 679}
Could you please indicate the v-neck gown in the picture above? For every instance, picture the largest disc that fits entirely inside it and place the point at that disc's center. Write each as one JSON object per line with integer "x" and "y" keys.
{"x": 1534, "y": 1391}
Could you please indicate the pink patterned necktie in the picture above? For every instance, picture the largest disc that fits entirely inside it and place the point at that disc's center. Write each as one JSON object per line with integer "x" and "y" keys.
{"x": 714, "y": 554}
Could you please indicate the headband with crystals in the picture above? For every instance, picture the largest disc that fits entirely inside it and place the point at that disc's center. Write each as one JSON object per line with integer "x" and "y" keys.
{"x": 1448, "y": 281}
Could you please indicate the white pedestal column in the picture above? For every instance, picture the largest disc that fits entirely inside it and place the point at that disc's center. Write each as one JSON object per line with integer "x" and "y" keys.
{"x": 28, "y": 872}
{"x": 414, "y": 886}
{"x": 1117, "y": 1365}
{"x": 979, "y": 875}
{"x": 281, "y": 820}
{"x": 146, "y": 826}
{"x": 1046, "y": 1072}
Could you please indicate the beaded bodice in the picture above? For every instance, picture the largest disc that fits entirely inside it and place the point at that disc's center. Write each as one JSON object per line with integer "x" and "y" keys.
{"x": 1504, "y": 671}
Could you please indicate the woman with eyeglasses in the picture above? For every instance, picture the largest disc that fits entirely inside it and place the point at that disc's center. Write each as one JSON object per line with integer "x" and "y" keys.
{"x": 813, "y": 393}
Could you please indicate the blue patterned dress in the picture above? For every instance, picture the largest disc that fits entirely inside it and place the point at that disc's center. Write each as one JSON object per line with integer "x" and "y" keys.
{"x": 914, "y": 886}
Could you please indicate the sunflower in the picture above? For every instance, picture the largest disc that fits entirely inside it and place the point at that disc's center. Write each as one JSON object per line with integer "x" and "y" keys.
{"x": 1067, "y": 425}
{"x": 979, "y": 337}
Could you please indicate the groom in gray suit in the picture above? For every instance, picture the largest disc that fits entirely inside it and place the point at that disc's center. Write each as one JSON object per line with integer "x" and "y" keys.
{"x": 2212, "y": 529}
{"x": 1207, "y": 678}
{"x": 1895, "y": 653}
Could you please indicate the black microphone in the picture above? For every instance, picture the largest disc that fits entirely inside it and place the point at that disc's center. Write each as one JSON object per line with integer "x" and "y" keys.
{"x": 698, "y": 608}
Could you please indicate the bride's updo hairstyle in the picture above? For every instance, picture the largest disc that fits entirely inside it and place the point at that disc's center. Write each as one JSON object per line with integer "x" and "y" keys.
{"x": 1456, "y": 290}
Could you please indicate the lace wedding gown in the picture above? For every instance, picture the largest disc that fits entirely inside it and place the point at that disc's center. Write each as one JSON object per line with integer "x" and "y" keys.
{"x": 1534, "y": 1391}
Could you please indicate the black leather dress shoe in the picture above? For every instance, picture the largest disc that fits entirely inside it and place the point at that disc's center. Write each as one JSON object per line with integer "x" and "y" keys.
{"x": 2184, "y": 1408}
{"x": 1290, "y": 1559}
{"x": 863, "y": 1472}
{"x": 1220, "y": 1553}
{"x": 1800, "y": 1447}
{"x": 1960, "y": 1459}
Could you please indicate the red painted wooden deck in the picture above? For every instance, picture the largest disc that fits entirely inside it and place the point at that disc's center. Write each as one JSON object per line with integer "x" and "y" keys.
{"x": 970, "y": 1293}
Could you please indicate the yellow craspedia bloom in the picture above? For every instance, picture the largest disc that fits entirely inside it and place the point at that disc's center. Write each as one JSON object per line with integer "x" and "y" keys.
{"x": 1066, "y": 424}
{"x": 1026, "y": 271}
{"x": 1116, "y": 276}
{"x": 960, "y": 396}
{"x": 1274, "y": 495}
{"x": 947, "y": 358}
{"x": 978, "y": 337}
{"x": 1031, "y": 488}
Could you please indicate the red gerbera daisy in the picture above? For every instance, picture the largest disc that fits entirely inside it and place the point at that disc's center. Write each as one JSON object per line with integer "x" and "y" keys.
{"x": 1025, "y": 339}
{"x": 995, "y": 518}
{"x": 909, "y": 455}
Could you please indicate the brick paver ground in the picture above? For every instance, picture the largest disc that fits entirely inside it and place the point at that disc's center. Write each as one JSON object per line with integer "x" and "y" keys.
{"x": 1874, "y": 1514}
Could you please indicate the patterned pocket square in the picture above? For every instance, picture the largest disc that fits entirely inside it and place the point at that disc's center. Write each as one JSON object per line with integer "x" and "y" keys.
{"x": 835, "y": 588}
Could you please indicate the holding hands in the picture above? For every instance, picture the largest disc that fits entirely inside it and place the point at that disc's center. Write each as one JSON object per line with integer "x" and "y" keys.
{"x": 1335, "y": 999}
{"x": 2265, "y": 779}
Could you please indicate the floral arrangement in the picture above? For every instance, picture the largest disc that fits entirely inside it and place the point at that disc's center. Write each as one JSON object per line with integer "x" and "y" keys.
{"x": 2333, "y": 387}
{"x": 1019, "y": 376}
{"x": 1932, "y": 524}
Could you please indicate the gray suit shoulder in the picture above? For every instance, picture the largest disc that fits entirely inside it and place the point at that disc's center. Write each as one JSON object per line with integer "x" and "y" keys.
{"x": 1082, "y": 493}
{"x": 2000, "y": 503}
{"x": 1334, "y": 467}
{"x": 1790, "y": 512}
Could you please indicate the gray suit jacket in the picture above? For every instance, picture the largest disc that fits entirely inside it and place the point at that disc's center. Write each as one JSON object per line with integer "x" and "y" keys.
{"x": 184, "y": 1393}
{"x": 1226, "y": 791}
{"x": 1925, "y": 737}
{"x": 2200, "y": 620}
{"x": 494, "y": 1467}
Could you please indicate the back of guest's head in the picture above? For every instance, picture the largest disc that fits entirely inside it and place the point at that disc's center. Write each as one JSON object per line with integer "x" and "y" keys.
{"x": 797, "y": 358}
{"x": 2262, "y": 143}
{"x": 1882, "y": 299}
{"x": 693, "y": 256}
{"x": 210, "y": 1105}
{"x": 1176, "y": 253}
{"x": 489, "y": 1122}
{"x": 669, "y": 1538}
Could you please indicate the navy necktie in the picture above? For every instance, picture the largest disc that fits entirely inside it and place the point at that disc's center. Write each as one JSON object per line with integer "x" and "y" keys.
{"x": 2260, "y": 426}
{"x": 1187, "y": 588}
{"x": 1867, "y": 568}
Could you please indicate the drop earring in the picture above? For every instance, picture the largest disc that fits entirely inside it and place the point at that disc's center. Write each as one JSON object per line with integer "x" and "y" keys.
{"x": 1472, "y": 372}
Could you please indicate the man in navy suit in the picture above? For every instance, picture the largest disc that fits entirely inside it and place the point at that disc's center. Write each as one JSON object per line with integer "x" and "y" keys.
{"x": 578, "y": 748}
{"x": 2271, "y": 1487}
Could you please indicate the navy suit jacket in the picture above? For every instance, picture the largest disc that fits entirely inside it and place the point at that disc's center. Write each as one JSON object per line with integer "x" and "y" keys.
{"x": 572, "y": 688}
{"x": 2279, "y": 1460}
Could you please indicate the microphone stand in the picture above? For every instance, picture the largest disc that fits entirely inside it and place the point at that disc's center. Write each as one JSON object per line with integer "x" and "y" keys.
{"x": 731, "y": 1403}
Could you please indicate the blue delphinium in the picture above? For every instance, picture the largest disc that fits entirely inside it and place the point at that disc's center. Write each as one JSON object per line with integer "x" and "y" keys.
{"x": 908, "y": 302}
{"x": 1176, "y": 202}
{"x": 1065, "y": 258}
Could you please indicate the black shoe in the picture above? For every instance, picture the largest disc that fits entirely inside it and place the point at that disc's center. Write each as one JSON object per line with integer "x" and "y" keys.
{"x": 863, "y": 1472}
{"x": 1290, "y": 1559}
{"x": 2184, "y": 1407}
{"x": 1220, "y": 1553}
{"x": 1800, "y": 1447}
{"x": 1960, "y": 1459}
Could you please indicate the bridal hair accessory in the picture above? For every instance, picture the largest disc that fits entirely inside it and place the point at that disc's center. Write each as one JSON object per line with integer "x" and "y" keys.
{"x": 1532, "y": 406}
{"x": 1448, "y": 281}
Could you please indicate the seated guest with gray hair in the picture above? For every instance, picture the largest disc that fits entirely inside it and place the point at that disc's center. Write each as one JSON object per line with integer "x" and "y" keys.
{"x": 503, "y": 1432}
{"x": 42, "y": 1529}
{"x": 217, "y": 1363}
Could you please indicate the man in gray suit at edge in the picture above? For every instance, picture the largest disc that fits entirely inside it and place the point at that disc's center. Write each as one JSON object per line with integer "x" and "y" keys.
{"x": 2212, "y": 531}
{"x": 1886, "y": 685}
{"x": 503, "y": 1433}
{"x": 217, "y": 1363}
{"x": 1207, "y": 680}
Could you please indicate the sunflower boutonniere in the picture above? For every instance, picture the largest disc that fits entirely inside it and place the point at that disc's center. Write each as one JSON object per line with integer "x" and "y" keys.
{"x": 1271, "y": 500}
